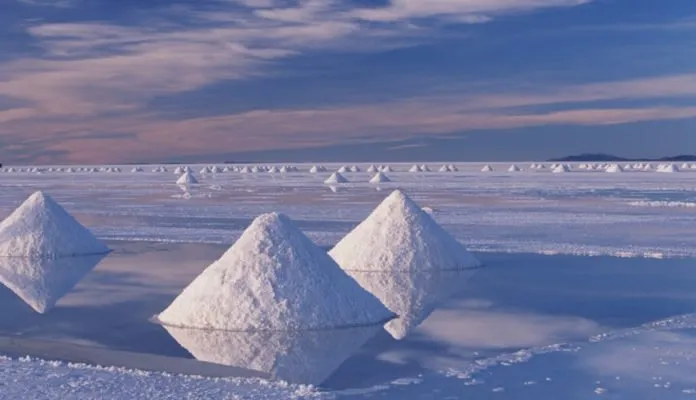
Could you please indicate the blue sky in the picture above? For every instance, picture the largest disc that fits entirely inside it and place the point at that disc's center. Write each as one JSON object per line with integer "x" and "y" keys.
{"x": 137, "y": 81}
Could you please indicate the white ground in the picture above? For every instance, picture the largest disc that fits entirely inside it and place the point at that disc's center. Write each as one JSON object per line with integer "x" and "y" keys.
{"x": 524, "y": 327}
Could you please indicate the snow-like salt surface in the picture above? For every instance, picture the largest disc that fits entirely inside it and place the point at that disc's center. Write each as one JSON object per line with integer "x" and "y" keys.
{"x": 274, "y": 278}
{"x": 307, "y": 357}
{"x": 41, "y": 228}
{"x": 399, "y": 236}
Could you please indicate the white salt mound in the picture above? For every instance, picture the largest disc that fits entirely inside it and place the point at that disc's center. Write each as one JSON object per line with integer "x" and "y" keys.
{"x": 372, "y": 169}
{"x": 415, "y": 168}
{"x": 380, "y": 178}
{"x": 336, "y": 177}
{"x": 187, "y": 179}
{"x": 41, "y": 228}
{"x": 559, "y": 169}
{"x": 614, "y": 168}
{"x": 670, "y": 168}
{"x": 514, "y": 168}
{"x": 424, "y": 168}
{"x": 487, "y": 168}
{"x": 343, "y": 169}
{"x": 314, "y": 169}
{"x": 274, "y": 278}
{"x": 400, "y": 236}
{"x": 444, "y": 168}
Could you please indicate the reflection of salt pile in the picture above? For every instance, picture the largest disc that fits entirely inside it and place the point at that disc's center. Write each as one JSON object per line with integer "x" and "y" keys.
{"x": 42, "y": 282}
{"x": 296, "y": 357}
{"x": 187, "y": 179}
{"x": 41, "y": 228}
{"x": 380, "y": 178}
{"x": 412, "y": 295}
{"x": 274, "y": 278}
{"x": 336, "y": 177}
{"x": 400, "y": 236}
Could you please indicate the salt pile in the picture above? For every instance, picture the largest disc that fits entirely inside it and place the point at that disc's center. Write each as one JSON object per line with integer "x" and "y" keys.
{"x": 425, "y": 168}
{"x": 453, "y": 168}
{"x": 415, "y": 168}
{"x": 669, "y": 168}
{"x": 614, "y": 168}
{"x": 336, "y": 178}
{"x": 274, "y": 278}
{"x": 444, "y": 168}
{"x": 245, "y": 170}
{"x": 284, "y": 169}
{"x": 372, "y": 169}
{"x": 255, "y": 169}
{"x": 42, "y": 282}
{"x": 400, "y": 236}
{"x": 314, "y": 169}
{"x": 41, "y": 228}
{"x": 487, "y": 168}
{"x": 380, "y": 178}
{"x": 273, "y": 170}
{"x": 136, "y": 169}
{"x": 343, "y": 169}
{"x": 178, "y": 171}
{"x": 307, "y": 357}
{"x": 559, "y": 169}
{"x": 187, "y": 179}
{"x": 514, "y": 168}
{"x": 205, "y": 170}
{"x": 386, "y": 168}
{"x": 354, "y": 168}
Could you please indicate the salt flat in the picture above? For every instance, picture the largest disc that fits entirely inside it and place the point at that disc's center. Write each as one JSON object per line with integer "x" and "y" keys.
{"x": 579, "y": 267}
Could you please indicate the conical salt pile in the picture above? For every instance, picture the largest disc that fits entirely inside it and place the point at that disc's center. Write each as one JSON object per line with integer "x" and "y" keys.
{"x": 336, "y": 178}
{"x": 669, "y": 168}
{"x": 343, "y": 169}
{"x": 514, "y": 168}
{"x": 187, "y": 179}
{"x": 136, "y": 169}
{"x": 424, "y": 168}
{"x": 559, "y": 169}
{"x": 400, "y": 236}
{"x": 314, "y": 169}
{"x": 41, "y": 228}
{"x": 614, "y": 168}
{"x": 487, "y": 168}
{"x": 354, "y": 168}
{"x": 380, "y": 178}
{"x": 444, "y": 168}
{"x": 372, "y": 169}
{"x": 274, "y": 278}
{"x": 273, "y": 170}
{"x": 415, "y": 168}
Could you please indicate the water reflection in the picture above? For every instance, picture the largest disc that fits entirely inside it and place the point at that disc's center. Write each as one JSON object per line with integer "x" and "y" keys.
{"x": 307, "y": 357}
{"x": 412, "y": 295}
{"x": 41, "y": 283}
{"x": 334, "y": 188}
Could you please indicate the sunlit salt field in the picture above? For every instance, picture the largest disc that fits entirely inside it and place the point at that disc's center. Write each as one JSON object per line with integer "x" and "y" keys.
{"x": 586, "y": 289}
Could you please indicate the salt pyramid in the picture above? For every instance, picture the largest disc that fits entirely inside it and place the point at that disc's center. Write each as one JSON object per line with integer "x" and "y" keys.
{"x": 425, "y": 168}
{"x": 453, "y": 168}
{"x": 273, "y": 170}
{"x": 41, "y": 228}
{"x": 669, "y": 168}
{"x": 372, "y": 169}
{"x": 314, "y": 169}
{"x": 187, "y": 179}
{"x": 386, "y": 168}
{"x": 444, "y": 168}
{"x": 245, "y": 170}
{"x": 487, "y": 168}
{"x": 559, "y": 169}
{"x": 343, "y": 169}
{"x": 284, "y": 169}
{"x": 614, "y": 168}
{"x": 415, "y": 168}
{"x": 380, "y": 178}
{"x": 42, "y": 282}
{"x": 274, "y": 278}
{"x": 179, "y": 171}
{"x": 136, "y": 169}
{"x": 336, "y": 177}
{"x": 354, "y": 168}
{"x": 514, "y": 168}
{"x": 400, "y": 236}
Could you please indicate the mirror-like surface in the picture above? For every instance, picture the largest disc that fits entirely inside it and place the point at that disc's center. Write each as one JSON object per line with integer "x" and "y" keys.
{"x": 307, "y": 357}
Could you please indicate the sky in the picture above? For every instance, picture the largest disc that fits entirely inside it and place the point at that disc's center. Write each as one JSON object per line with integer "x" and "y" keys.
{"x": 103, "y": 81}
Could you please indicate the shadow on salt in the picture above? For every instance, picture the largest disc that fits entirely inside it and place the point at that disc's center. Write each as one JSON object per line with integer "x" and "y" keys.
{"x": 303, "y": 357}
{"x": 41, "y": 282}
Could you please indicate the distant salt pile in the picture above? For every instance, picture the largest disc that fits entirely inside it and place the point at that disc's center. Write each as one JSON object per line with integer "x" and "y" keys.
{"x": 70, "y": 170}
{"x": 614, "y": 168}
{"x": 487, "y": 168}
{"x": 386, "y": 168}
{"x": 336, "y": 178}
{"x": 205, "y": 170}
{"x": 179, "y": 170}
{"x": 626, "y": 167}
{"x": 424, "y": 168}
{"x": 444, "y": 168}
{"x": 514, "y": 168}
{"x": 669, "y": 168}
{"x": 453, "y": 168}
{"x": 415, "y": 168}
{"x": 354, "y": 168}
{"x": 216, "y": 170}
{"x": 314, "y": 169}
{"x": 372, "y": 169}
{"x": 273, "y": 170}
{"x": 41, "y": 228}
{"x": 582, "y": 166}
{"x": 399, "y": 235}
{"x": 343, "y": 169}
{"x": 684, "y": 166}
{"x": 380, "y": 177}
{"x": 245, "y": 170}
{"x": 274, "y": 278}
{"x": 561, "y": 168}
{"x": 187, "y": 179}
{"x": 136, "y": 169}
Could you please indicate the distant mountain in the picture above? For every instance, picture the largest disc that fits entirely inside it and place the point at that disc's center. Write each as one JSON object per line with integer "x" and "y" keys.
{"x": 611, "y": 157}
